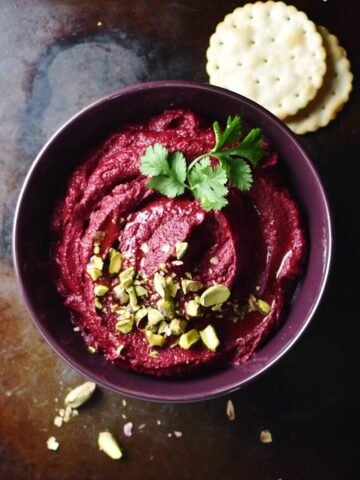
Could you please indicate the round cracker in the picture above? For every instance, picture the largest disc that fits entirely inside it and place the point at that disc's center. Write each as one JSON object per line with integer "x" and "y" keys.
{"x": 269, "y": 52}
{"x": 333, "y": 94}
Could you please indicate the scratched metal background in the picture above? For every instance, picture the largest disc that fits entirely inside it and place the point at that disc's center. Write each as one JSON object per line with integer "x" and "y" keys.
{"x": 56, "y": 57}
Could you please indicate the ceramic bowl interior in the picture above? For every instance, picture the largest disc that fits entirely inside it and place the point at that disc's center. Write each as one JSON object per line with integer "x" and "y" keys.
{"x": 47, "y": 181}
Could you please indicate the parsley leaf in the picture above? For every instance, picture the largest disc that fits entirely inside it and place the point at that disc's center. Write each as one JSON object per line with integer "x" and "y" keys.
{"x": 240, "y": 174}
{"x": 230, "y": 135}
{"x": 208, "y": 184}
{"x": 154, "y": 161}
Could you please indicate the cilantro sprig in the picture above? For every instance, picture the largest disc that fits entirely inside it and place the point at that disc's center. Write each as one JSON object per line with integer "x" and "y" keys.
{"x": 170, "y": 175}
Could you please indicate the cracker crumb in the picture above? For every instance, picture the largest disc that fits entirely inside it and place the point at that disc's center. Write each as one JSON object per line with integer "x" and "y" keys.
{"x": 58, "y": 421}
{"x": 128, "y": 429}
{"x": 265, "y": 436}
{"x": 169, "y": 435}
{"x": 52, "y": 444}
{"x": 124, "y": 416}
{"x": 177, "y": 434}
{"x": 123, "y": 402}
{"x": 99, "y": 24}
{"x": 158, "y": 422}
{"x": 230, "y": 410}
{"x": 142, "y": 426}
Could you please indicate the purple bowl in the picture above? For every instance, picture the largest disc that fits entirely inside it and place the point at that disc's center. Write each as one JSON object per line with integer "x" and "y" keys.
{"x": 46, "y": 181}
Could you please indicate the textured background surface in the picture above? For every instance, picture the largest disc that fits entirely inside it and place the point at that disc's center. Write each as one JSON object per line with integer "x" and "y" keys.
{"x": 56, "y": 57}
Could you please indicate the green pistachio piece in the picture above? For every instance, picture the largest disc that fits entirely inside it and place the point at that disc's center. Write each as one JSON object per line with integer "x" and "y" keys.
{"x": 154, "y": 340}
{"x": 108, "y": 444}
{"x": 264, "y": 307}
{"x": 96, "y": 249}
{"x": 120, "y": 293}
{"x": 160, "y": 285}
{"x": 79, "y": 395}
{"x": 214, "y": 295}
{"x": 177, "y": 326}
{"x": 163, "y": 267}
{"x": 180, "y": 249}
{"x": 132, "y": 298}
{"x": 154, "y": 353}
{"x": 98, "y": 304}
{"x": 172, "y": 286}
{"x": 92, "y": 349}
{"x": 190, "y": 286}
{"x": 209, "y": 338}
{"x": 217, "y": 308}
{"x": 94, "y": 273}
{"x": 125, "y": 325}
{"x": 192, "y": 308}
{"x": 119, "y": 349}
{"x": 140, "y": 291}
{"x": 140, "y": 314}
{"x": 189, "y": 339}
{"x": 164, "y": 329}
{"x": 100, "y": 290}
{"x": 115, "y": 261}
{"x": 166, "y": 307}
{"x": 127, "y": 277}
{"x": 154, "y": 316}
{"x": 97, "y": 262}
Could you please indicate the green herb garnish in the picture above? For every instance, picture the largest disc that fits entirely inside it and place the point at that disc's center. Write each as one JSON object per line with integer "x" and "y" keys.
{"x": 170, "y": 175}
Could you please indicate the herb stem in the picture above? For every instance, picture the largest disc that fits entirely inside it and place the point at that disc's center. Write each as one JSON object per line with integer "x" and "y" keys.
{"x": 197, "y": 159}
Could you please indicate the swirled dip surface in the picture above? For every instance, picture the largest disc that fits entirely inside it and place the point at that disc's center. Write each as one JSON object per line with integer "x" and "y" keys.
{"x": 255, "y": 247}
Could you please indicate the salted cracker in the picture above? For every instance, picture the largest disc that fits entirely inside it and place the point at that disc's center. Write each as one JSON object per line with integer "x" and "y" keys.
{"x": 333, "y": 94}
{"x": 269, "y": 52}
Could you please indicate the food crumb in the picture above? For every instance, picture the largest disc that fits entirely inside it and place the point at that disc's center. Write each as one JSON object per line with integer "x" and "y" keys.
{"x": 123, "y": 402}
{"x": 124, "y": 416}
{"x": 169, "y": 435}
{"x": 99, "y": 24}
{"x": 128, "y": 429}
{"x": 158, "y": 422}
{"x": 58, "y": 421}
{"x": 142, "y": 426}
{"x": 265, "y": 436}
{"x": 230, "y": 410}
{"x": 52, "y": 444}
{"x": 177, "y": 434}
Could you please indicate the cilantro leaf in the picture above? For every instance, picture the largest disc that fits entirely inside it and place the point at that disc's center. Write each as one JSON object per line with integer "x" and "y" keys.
{"x": 178, "y": 166}
{"x": 230, "y": 135}
{"x": 240, "y": 174}
{"x": 168, "y": 186}
{"x": 172, "y": 182}
{"x": 154, "y": 161}
{"x": 208, "y": 184}
{"x": 251, "y": 147}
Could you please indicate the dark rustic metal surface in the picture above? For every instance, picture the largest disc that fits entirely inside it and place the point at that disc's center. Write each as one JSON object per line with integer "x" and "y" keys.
{"x": 56, "y": 57}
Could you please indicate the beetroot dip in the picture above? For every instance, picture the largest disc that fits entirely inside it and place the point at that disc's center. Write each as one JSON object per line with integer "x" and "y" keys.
{"x": 255, "y": 247}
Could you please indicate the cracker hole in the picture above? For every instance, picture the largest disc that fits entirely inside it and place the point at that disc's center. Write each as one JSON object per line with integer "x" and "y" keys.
{"x": 280, "y": 105}
{"x": 297, "y": 95}
{"x": 221, "y": 43}
{"x": 257, "y": 81}
{"x": 239, "y": 64}
{"x": 288, "y": 19}
{"x": 272, "y": 39}
{"x": 307, "y": 115}
{"x": 277, "y": 79}
{"x": 252, "y": 42}
{"x": 333, "y": 93}
{"x": 251, "y": 17}
{"x": 323, "y": 107}
{"x": 265, "y": 60}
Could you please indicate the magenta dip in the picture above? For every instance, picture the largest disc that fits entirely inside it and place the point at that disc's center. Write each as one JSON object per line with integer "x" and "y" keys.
{"x": 255, "y": 247}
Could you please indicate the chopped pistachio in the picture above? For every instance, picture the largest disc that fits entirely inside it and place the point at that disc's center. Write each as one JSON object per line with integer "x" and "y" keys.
{"x": 140, "y": 291}
{"x": 192, "y": 308}
{"x": 154, "y": 353}
{"x": 96, "y": 249}
{"x": 209, "y": 338}
{"x": 154, "y": 316}
{"x": 165, "y": 248}
{"x": 166, "y": 307}
{"x": 264, "y": 307}
{"x": 180, "y": 249}
{"x": 91, "y": 349}
{"x": 144, "y": 248}
{"x": 115, "y": 261}
{"x": 132, "y": 298}
{"x": 214, "y": 260}
{"x": 164, "y": 329}
{"x": 177, "y": 263}
{"x": 119, "y": 349}
{"x": 196, "y": 298}
{"x": 98, "y": 304}
{"x": 97, "y": 262}
{"x": 177, "y": 326}
{"x": 163, "y": 267}
{"x": 79, "y": 395}
{"x": 230, "y": 410}
{"x": 214, "y": 295}
{"x": 188, "y": 275}
{"x": 125, "y": 325}
{"x": 108, "y": 444}
{"x": 154, "y": 340}
{"x": 114, "y": 307}
{"x": 189, "y": 339}
{"x": 217, "y": 308}
{"x": 100, "y": 290}
{"x": 120, "y": 293}
{"x": 252, "y": 303}
{"x": 172, "y": 286}
{"x": 190, "y": 286}
{"x": 140, "y": 314}
{"x": 94, "y": 273}
{"x": 160, "y": 285}
{"x": 127, "y": 277}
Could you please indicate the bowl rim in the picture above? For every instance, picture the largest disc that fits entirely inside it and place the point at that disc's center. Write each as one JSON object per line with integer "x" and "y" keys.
{"x": 151, "y": 395}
